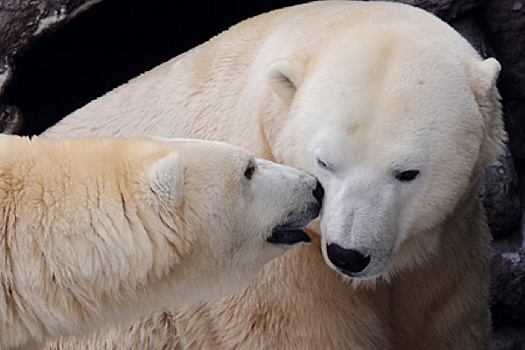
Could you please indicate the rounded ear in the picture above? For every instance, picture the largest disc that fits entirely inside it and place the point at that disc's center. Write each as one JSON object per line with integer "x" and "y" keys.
{"x": 483, "y": 76}
{"x": 167, "y": 178}
{"x": 284, "y": 77}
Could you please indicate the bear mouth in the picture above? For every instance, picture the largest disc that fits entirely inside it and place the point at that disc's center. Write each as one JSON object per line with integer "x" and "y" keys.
{"x": 288, "y": 236}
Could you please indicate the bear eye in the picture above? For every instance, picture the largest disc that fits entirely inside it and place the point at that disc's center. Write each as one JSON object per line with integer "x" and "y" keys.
{"x": 322, "y": 164}
{"x": 407, "y": 176}
{"x": 248, "y": 173}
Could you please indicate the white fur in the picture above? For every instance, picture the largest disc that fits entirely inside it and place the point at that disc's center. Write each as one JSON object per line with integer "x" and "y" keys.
{"x": 167, "y": 178}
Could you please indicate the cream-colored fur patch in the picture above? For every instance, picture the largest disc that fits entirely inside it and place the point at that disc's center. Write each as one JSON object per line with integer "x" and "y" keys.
{"x": 106, "y": 230}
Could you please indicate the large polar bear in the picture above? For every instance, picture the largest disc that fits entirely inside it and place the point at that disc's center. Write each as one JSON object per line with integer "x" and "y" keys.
{"x": 397, "y": 115}
{"x": 98, "y": 230}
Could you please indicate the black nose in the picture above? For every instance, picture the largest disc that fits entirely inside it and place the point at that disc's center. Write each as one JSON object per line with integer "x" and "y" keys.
{"x": 319, "y": 193}
{"x": 348, "y": 260}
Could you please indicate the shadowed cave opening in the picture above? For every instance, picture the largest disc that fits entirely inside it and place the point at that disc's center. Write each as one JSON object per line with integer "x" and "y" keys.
{"x": 109, "y": 44}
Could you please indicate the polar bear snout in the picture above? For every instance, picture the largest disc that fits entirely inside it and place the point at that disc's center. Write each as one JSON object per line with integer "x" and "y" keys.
{"x": 348, "y": 261}
{"x": 290, "y": 232}
{"x": 312, "y": 209}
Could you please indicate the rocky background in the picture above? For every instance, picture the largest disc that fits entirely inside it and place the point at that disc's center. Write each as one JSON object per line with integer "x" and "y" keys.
{"x": 53, "y": 60}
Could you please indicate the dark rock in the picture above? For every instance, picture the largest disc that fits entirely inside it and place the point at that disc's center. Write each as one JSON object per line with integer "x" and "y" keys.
{"x": 21, "y": 22}
{"x": 445, "y": 9}
{"x": 504, "y": 21}
{"x": 508, "y": 288}
{"x": 499, "y": 192}
{"x": 514, "y": 111}
{"x": 504, "y": 24}
{"x": 508, "y": 338}
{"x": 10, "y": 119}
{"x": 470, "y": 29}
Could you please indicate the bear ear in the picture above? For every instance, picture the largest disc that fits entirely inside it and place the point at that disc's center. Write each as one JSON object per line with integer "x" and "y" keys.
{"x": 284, "y": 77}
{"x": 167, "y": 178}
{"x": 484, "y": 76}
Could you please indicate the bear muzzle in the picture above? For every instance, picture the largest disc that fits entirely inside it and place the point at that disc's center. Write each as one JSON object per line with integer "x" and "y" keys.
{"x": 290, "y": 233}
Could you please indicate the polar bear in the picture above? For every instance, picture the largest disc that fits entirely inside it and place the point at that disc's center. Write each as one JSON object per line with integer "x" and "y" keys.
{"x": 98, "y": 230}
{"x": 396, "y": 114}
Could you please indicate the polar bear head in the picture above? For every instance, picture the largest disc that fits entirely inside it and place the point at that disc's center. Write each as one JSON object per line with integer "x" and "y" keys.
{"x": 231, "y": 191}
{"x": 238, "y": 211}
{"x": 397, "y": 120}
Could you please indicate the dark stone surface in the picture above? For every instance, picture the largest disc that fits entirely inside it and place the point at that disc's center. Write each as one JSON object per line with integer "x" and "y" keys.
{"x": 445, "y": 9}
{"x": 21, "y": 22}
{"x": 509, "y": 338}
{"x": 500, "y": 194}
{"x": 504, "y": 23}
{"x": 10, "y": 119}
{"x": 468, "y": 26}
{"x": 508, "y": 288}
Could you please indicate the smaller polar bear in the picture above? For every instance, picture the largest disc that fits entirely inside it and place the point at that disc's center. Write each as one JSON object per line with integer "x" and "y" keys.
{"x": 101, "y": 230}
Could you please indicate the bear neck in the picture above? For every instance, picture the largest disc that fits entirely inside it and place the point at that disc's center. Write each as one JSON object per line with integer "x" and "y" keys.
{"x": 457, "y": 273}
